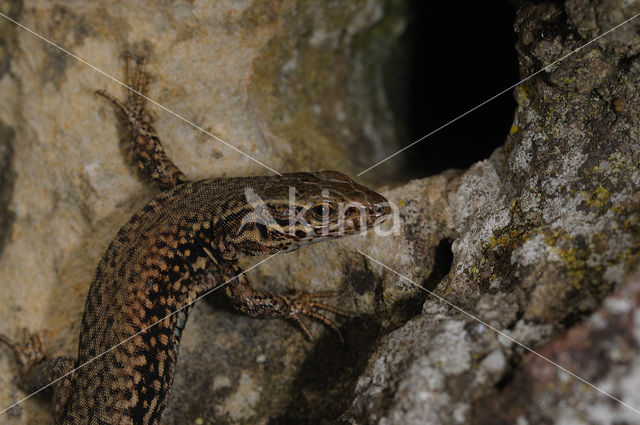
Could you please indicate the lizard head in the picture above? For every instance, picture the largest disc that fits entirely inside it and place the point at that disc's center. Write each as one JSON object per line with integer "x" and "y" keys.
{"x": 299, "y": 209}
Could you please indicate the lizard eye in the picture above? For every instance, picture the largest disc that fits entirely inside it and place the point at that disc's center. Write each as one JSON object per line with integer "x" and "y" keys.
{"x": 321, "y": 211}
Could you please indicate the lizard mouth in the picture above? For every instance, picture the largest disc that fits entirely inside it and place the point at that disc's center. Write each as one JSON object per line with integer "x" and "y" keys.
{"x": 366, "y": 217}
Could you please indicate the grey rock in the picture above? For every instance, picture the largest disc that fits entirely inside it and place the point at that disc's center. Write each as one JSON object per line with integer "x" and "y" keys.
{"x": 527, "y": 242}
{"x": 543, "y": 230}
{"x": 603, "y": 350}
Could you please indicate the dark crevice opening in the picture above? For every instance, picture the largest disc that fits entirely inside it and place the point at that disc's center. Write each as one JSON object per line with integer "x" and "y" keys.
{"x": 443, "y": 258}
{"x": 458, "y": 57}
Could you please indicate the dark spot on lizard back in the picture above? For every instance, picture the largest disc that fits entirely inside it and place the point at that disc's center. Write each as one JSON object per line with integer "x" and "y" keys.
{"x": 263, "y": 230}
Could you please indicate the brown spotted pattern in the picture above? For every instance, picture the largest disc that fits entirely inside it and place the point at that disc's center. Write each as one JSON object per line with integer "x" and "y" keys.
{"x": 180, "y": 245}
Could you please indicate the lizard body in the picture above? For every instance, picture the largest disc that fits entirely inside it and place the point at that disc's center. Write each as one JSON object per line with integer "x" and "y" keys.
{"x": 181, "y": 245}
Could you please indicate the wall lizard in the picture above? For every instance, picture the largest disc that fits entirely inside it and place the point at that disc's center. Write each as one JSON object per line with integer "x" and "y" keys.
{"x": 183, "y": 243}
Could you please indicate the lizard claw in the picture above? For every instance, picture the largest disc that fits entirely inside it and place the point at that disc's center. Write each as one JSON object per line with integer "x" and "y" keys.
{"x": 29, "y": 352}
{"x": 301, "y": 305}
{"x": 125, "y": 110}
{"x": 138, "y": 81}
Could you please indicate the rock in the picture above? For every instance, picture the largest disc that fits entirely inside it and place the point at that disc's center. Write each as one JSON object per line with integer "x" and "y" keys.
{"x": 495, "y": 362}
{"x": 527, "y": 242}
{"x": 543, "y": 230}
{"x": 604, "y": 350}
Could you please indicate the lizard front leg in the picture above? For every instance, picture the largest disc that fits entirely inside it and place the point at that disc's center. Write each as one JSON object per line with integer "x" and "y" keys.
{"x": 267, "y": 305}
{"x": 148, "y": 150}
{"x": 37, "y": 372}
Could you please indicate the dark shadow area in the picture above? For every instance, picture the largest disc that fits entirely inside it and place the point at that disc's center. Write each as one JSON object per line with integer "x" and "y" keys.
{"x": 460, "y": 55}
{"x": 329, "y": 374}
{"x": 325, "y": 383}
{"x": 7, "y": 180}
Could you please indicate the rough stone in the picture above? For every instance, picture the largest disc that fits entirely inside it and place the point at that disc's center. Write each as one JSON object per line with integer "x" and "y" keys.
{"x": 528, "y": 242}
{"x": 604, "y": 350}
{"x": 543, "y": 230}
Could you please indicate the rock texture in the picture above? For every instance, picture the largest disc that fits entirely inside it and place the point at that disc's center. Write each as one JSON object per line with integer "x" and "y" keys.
{"x": 543, "y": 230}
{"x": 604, "y": 350}
{"x": 530, "y": 240}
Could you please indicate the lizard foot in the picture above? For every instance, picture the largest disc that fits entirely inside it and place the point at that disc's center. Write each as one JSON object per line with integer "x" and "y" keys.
{"x": 138, "y": 82}
{"x": 148, "y": 150}
{"x": 29, "y": 353}
{"x": 302, "y": 304}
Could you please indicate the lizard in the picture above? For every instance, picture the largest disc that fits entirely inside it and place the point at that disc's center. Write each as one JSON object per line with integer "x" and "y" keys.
{"x": 180, "y": 245}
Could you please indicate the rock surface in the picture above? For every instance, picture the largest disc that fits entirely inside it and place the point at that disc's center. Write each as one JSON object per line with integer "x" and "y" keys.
{"x": 542, "y": 231}
{"x": 530, "y": 241}
{"x": 604, "y": 350}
